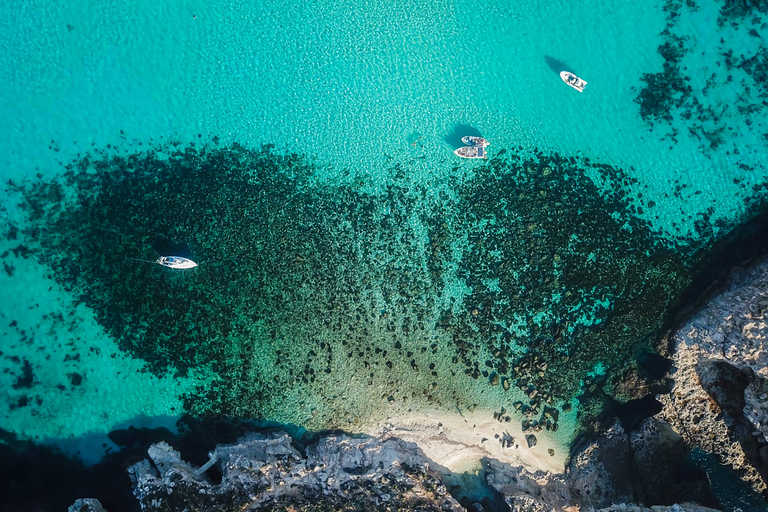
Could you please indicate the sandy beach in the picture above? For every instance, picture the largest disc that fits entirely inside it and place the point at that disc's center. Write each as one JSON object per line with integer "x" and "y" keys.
{"x": 459, "y": 442}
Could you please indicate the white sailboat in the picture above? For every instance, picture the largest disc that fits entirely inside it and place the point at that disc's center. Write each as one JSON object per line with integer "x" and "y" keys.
{"x": 175, "y": 262}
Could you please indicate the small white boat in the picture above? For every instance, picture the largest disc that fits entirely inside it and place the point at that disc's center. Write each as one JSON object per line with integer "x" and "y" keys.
{"x": 470, "y": 140}
{"x": 572, "y": 80}
{"x": 175, "y": 262}
{"x": 471, "y": 152}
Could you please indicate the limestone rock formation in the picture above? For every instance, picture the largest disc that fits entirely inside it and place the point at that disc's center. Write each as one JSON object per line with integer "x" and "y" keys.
{"x": 525, "y": 491}
{"x": 262, "y": 472}
{"x": 683, "y": 507}
{"x": 646, "y": 465}
{"x": 342, "y": 473}
{"x": 720, "y": 398}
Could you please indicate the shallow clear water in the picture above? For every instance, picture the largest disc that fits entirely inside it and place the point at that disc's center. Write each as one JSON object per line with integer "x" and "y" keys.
{"x": 375, "y": 96}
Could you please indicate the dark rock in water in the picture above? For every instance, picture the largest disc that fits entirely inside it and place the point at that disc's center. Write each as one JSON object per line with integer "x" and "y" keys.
{"x": 75, "y": 378}
{"x": 531, "y": 440}
{"x": 26, "y": 378}
{"x": 654, "y": 365}
{"x": 632, "y": 413}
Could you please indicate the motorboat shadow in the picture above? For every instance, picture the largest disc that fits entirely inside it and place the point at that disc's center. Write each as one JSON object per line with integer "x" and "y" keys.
{"x": 453, "y": 139}
{"x": 557, "y": 65}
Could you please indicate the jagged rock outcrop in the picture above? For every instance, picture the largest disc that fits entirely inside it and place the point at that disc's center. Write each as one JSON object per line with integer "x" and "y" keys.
{"x": 262, "y": 472}
{"x": 720, "y": 397}
{"x": 646, "y": 465}
{"x": 683, "y": 507}
{"x": 600, "y": 473}
{"x": 527, "y": 491}
{"x": 341, "y": 473}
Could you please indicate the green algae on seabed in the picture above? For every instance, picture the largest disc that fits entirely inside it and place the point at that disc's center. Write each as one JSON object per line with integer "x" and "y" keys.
{"x": 322, "y": 305}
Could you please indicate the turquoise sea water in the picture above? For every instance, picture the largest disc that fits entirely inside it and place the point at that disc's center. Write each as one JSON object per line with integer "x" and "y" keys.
{"x": 306, "y": 75}
{"x": 369, "y": 233}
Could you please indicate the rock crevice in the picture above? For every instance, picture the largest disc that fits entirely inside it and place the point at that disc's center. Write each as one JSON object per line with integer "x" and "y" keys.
{"x": 718, "y": 402}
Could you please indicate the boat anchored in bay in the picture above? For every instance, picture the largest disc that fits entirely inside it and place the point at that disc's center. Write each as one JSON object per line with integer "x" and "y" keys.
{"x": 475, "y": 147}
{"x": 572, "y": 80}
{"x": 177, "y": 262}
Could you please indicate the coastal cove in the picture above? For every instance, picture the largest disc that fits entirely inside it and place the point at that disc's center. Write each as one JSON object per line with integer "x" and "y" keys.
{"x": 572, "y": 318}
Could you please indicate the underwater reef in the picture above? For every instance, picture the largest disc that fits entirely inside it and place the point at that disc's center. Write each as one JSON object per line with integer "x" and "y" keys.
{"x": 722, "y": 108}
{"x": 325, "y": 305}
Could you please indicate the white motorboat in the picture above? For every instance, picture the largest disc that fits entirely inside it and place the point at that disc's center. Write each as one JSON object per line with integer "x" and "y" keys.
{"x": 572, "y": 80}
{"x": 471, "y": 152}
{"x": 175, "y": 262}
{"x": 470, "y": 140}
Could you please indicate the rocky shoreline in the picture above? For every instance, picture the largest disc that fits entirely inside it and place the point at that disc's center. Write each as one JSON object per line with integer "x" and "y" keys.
{"x": 339, "y": 472}
{"x": 717, "y": 403}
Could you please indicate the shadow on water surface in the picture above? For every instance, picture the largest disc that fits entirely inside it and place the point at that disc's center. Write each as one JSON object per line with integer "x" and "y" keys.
{"x": 461, "y": 130}
{"x": 557, "y": 65}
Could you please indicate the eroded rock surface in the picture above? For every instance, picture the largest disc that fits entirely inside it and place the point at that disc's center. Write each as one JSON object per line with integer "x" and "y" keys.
{"x": 342, "y": 473}
{"x": 262, "y": 472}
{"x": 646, "y": 465}
{"x": 719, "y": 400}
